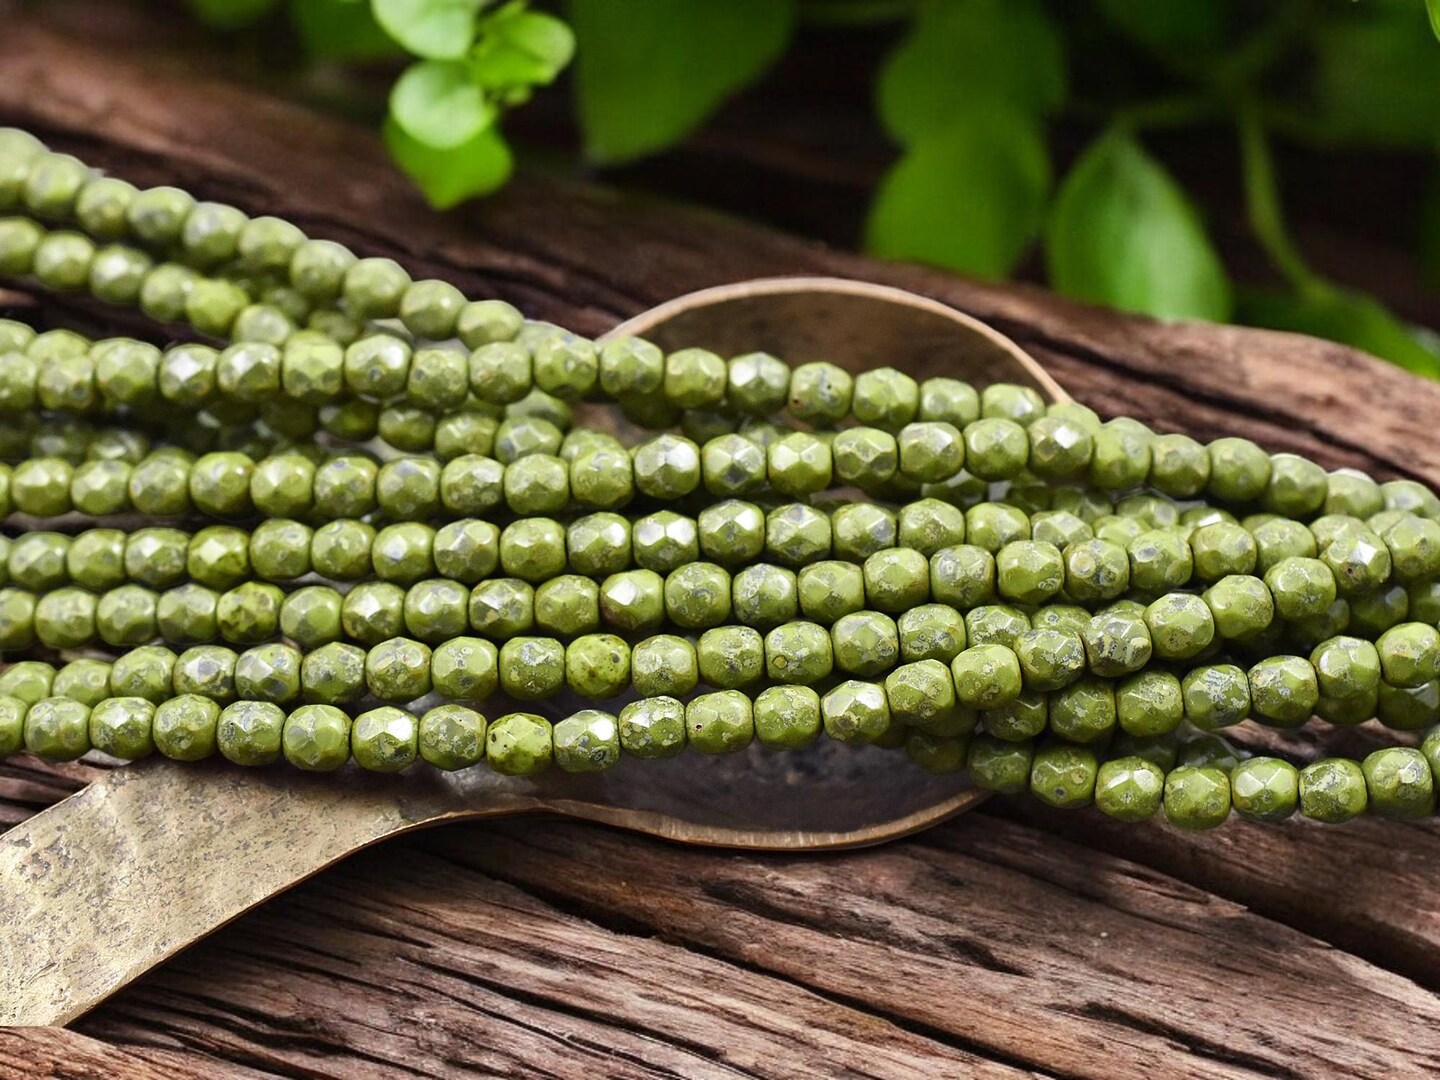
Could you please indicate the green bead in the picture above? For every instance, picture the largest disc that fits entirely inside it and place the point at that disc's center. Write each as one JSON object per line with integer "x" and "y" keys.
{"x": 1222, "y": 549}
{"x": 451, "y": 737}
{"x": 885, "y": 398}
{"x": 856, "y": 712}
{"x": 531, "y": 668}
{"x": 268, "y": 673}
{"x": 311, "y": 616}
{"x": 764, "y": 595}
{"x": 729, "y": 657}
{"x": 695, "y": 379}
{"x": 865, "y": 457}
{"x": 986, "y": 676}
{"x": 1060, "y": 448}
{"x": 993, "y": 525}
{"x": 1121, "y": 455}
{"x": 937, "y": 754}
{"x": 653, "y": 728}
{"x": 896, "y": 579}
{"x": 1414, "y": 546}
{"x": 1408, "y": 709}
{"x": 995, "y": 624}
{"x": 820, "y": 393}
{"x": 664, "y": 666}
{"x": 1149, "y": 703}
{"x": 999, "y": 766}
{"x": 1064, "y": 776}
{"x": 633, "y": 600}
{"x": 931, "y": 632}
{"x": 1264, "y": 789}
{"x": 220, "y": 484}
{"x": 930, "y": 525}
{"x": 1242, "y": 607}
{"x": 126, "y": 616}
{"x": 85, "y": 681}
{"x": 148, "y": 672}
{"x": 384, "y": 739}
{"x": 1083, "y": 711}
{"x": 464, "y": 668}
{"x": 500, "y": 372}
{"x": 567, "y": 605}
{"x": 963, "y": 576}
{"x": 664, "y": 541}
{"x": 865, "y": 643}
{"x": 1179, "y": 466}
{"x": 333, "y": 674}
{"x": 567, "y": 367}
{"x": 667, "y": 467}
{"x": 119, "y": 726}
{"x": 922, "y": 695}
{"x": 1239, "y": 470}
{"x": 316, "y": 738}
{"x": 1181, "y": 626}
{"x": 533, "y": 549}
{"x": 587, "y": 741}
{"x": 1216, "y": 696}
{"x": 598, "y": 545}
{"x": 65, "y": 618}
{"x": 1160, "y": 561}
{"x": 399, "y": 670}
{"x": 502, "y": 608}
{"x": 731, "y": 465}
{"x": 187, "y": 614}
{"x": 1333, "y": 790}
{"x": 184, "y": 727}
{"x": 787, "y": 717}
{"x": 1024, "y": 718}
{"x": 930, "y": 451}
{"x": 795, "y": 534}
{"x": 597, "y": 666}
{"x": 219, "y": 556}
{"x": 798, "y": 652}
{"x": 1399, "y": 783}
{"x": 830, "y": 590}
{"x": 1301, "y": 587}
{"x": 17, "y": 619}
{"x": 249, "y": 732}
{"x": 472, "y": 484}
{"x": 996, "y": 449}
{"x": 758, "y": 383}
{"x": 1049, "y": 659}
{"x": 41, "y": 487}
{"x": 57, "y": 729}
{"x": 280, "y": 550}
{"x": 1197, "y": 797}
{"x": 1346, "y": 667}
{"x": 1359, "y": 561}
{"x": 1095, "y": 570}
{"x": 1029, "y": 572}
{"x": 63, "y": 261}
{"x": 430, "y": 309}
{"x": 341, "y": 550}
{"x": 1019, "y": 403}
{"x": 1129, "y": 789}
{"x": 1062, "y": 528}
{"x": 631, "y": 368}
{"x": 731, "y": 532}
{"x": 1409, "y": 654}
{"x": 520, "y": 744}
{"x": 28, "y": 681}
{"x": 950, "y": 400}
{"x": 800, "y": 464}
{"x": 408, "y": 489}
{"x": 518, "y": 437}
{"x": 697, "y": 596}
{"x": 374, "y": 288}
{"x": 1352, "y": 492}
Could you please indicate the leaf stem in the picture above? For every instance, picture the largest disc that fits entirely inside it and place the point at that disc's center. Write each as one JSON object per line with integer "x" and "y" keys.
{"x": 1262, "y": 206}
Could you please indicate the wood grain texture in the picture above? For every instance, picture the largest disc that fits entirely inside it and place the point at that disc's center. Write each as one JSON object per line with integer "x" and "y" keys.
{"x": 1010, "y": 941}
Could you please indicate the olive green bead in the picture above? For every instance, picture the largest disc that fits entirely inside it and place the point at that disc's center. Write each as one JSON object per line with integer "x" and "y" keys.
{"x": 1060, "y": 448}
{"x": 1264, "y": 789}
{"x": 399, "y": 670}
{"x": 268, "y": 673}
{"x": 633, "y": 600}
{"x": 1216, "y": 696}
{"x": 931, "y": 632}
{"x": 1062, "y": 528}
{"x": 896, "y": 579}
{"x": 316, "y": 738}
{"x": 697, "y": 595}
{"x": 1095, "y": 570}
{"x": 502, "y": 607}
{"x": 218, "y": 556}
{"x": 472, "y": 484}
{"x": 220, "y": 484}
{"x": 922, "y": 695}
{"x": 731, "y": 532}
{"x": 249, "y": 371}
{"x": 1179, "y": 466}
{"x": 1049, "y": 659}
{"x": 856, "y": 712}
{"x": 830, "y": 590}
{"x": 101, "y": 488}
{"x": 758, "y": 383}
{"x": 963, "y": 576}
{"x": 732, "y": 465}
{"x": 1352, "y": 492}
{"x": 598, "y": 545}
{"x": 930, "y": 525}
{"x": 1222, "y": 549}
{"x": 993, "y": 525}
{"x": 1399, "y": 783}
{"x": 312, "y": 616}
{"x": 1024, "y": 718}
{"x": 184, "y": 727}
{"x": 1301, "y": 587}
{"x": 119, "y": 726}
{"x": 597, "y": 666}
{"x": 484, "y": 321}
{"x": 1296, "y": 486}
{"x": 1149, "y": 703}
{"x": 85, "y": 681}
{"x": 283, "y": 486}
{"x": 149, "y": 672}
{"x": 999, "y": 766}
{"x": 861, "y": 529}
{"x": 533, "y": 549}
{"x": 885, "y": 398}
{"x": 500, "y": 372}
{"x": 1181, "y": 626}
{"x": 664, "y": 541}
{"x": 1333, "y": 790}
{"x": 865, "y": 643}
{"x": 63, "y": 261}
{"x": 795, "y": 534}
{"x": 451, "y": 737}
{"x": 930, "y": 451}
{"x": 1409, "y": 654}
{"x": 1197, "y": 797}
{"x": 995, "y": 449}
{"x": 950, "y": 400}
{"x": 1346, "y": 667}
{"x": 126, "y": 615}
{"x": 937, "y": 754}
{"x": 40, "y": 560}
{"x": 787, "y": 717}
{"x": 250, "y": 732}
{"x": 41, "y": 487}
{"x": 333, "y": 674}
{"x": 409, "y": 488}
{"x": 17, "y": 619}
{"x": 1239, "y": 470}
{"x": 664, "y": 666}
{"x": 566, "y": 366}
{"x": 27, "y": 681}
{"x": 799, "y": 464}
{"x": 1117, "y": 643}
{"x": 250, "y": 612}
{"x": 280, "y": 549}
{"x": 821, "y": 393}
{"x": 653, "y": 727}
{"x": 667, "y": 467}
{"x": 1028, "y": 572}
{"x": 1120, "y": 457}
{"x": 995, "y": 624}
{"x": 520, "y": 744}
{"x": 730, "y": 656}
{"x": 865, "y": 457}
{"x": 1064, "y": 776}
{"x": 65, "y": 618}
{"x": 342, "y": 550}
{"x": 210, "y": 233}
{"x": 764, "y": 595}
{"x": 1241, "y": 606}
{"x": 631, "y": 368}
{"x": 694, "y": 379}
{"x": 1414, "y": 546}
{"x": 344, "y": 487}
{"x": 384, "y": 739}
{"x": 587, "y": 741}
{"x": 374, "y": 611}
{"x": 986, "y": 676}
{"x": 601, "y": 478}
{"x": 1084, "y": 711}
{"x": 1408, "y": 708}
{"x": 57, "y": 729}
{"x": 567, "y": 605}
{"x": 1160, "y": 561}
{"x": 532, "y": 668}
{"x": 1129, "y": 789}
{"x": 1359, "y": 561}
{"x": 799, "y": 652}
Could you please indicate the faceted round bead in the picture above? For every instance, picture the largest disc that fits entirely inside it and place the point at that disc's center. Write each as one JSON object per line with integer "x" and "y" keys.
{"x": 343, "y": 550}
{"x": 758, "y": 383}
{"x": 1060, "y": 448}
{"x": 1095, "y": 570}
{"x": 119, "y": 726}
{"x": 962, "y": 576}
{"x": 996, "y": 448}
{"x": 451, "y": 737}
{"x": 126, "y": 615}
{"x": 1197, "y": 797}
{"x": 1216, "y": 696}
{"x": 885, "y": 398}
{"x": 146, "y": 672}
{"x": 1407, "y": 709}
{"x": 1064, "y": 776}
{"x": 533, "y": 549}
{"x": 374, "y": 287}
{"x": 268, "y": 673}
{"x": 28, "y": 681}
{"x": 631, "y": 368}
{"x": 865, "y": 643}
{"x": 65, "y": 618}
{"x": 1399, "y": 783}
{"x": 184, "y": 727}
{"x": 41, "y": 486}
{"x": 220, "y": 484}
{"x": 858, "y": 530}
{"x": 568, "y": 605}
{"x": 1049, "y": 659}
{"x": 1222, "y": 549}
{"x": 764, "y": 595}
{"x": 57, "y": 729}
{"x": 1241, "y": 606}
{"x": 520, "y": 744}
{"x": 250, "y": 612}
{"x": 799, "y": 464}
{"x": 1180, "y": 625}
{"x": 664, "y": 665}
{"x": 993, "y": 525}
{"x": 311, "y": 616}
{"x": 798, "y": 652}
{"x": 1061, "y": 528}
{"x": 1149, "y": 703}
{"x": 795, "y": 534}
{"x": 249, "y": 732}
{"x": 316, "y": 738}
{"x": 537, "y": 484}
{"x": 950, "y": 400}
{"x": 280, "y": 550}
{"x": 633, "y": 600}
{"x": 1120, "y": 457}
{"x": 1084, "y": 711}
{"x": 995, "y": 624}
{"x": 896, "y": 579}
{"x": 408, "y": 489}
{"x": 665, "y": 541}
{"x": 1333, "y": 790}
{"x": 695, "y": 379}
{"x": 1029, "y": 572}
{"x": 1160, "y": 561}
{"x": 587, "y": 741}
{"x": 820, "y": 393}
{"x": 482, "y": 321}
{"x": 567, "y": 367}
{"x": 531, "y": 669}
{"x": 730, "y": 656}
{"x": 384, "y": 739}
{"x": 787, "y": 717}
{"x": 1129, "y": 789}
{"x": 999, "y": 766}
{"x": 1346, "y": 667}
{"x": 731, "y": 532}
{"x": 1359, "y": 561}
{"x": 500, "y": 372}
{"x": 1264, "y": 789}
{"x": 1352, "y": 492}
{"x": 986, "y": 676}
{"x": 1409, "y": 654}
{"x": 601, "y": 478}
{"x": 1414, "y": 546}
{"x": 472, "y": 484}
{"x": 519, "y": 437}
{"x": 597, "y": 666}
{"x": 922, "y": 695}
{"x": 864, "y": 456}
{"x": 344, "y": 486}
{"x": 653, "y": 728}
{"x": 333, "y": 674}
{"x": 283, "y": 486}
{"x": 464, "y": 668}
{"x": 1301, "y": 587}
{"x": 85, "y": 681}
{"x": 930, "y": 451}
{"x": 732, "y": 465}
{"x": 1179, "y": 466}
{"x": 697, "y": 596}
{"x": 829, "y": 590}
{"x": 1239, "y": 470}
{"x": 502, "y": 608}
{"x": 931, "y": 632}
{"x": 598, "y": 545}
{"x": 667, "y": 467}
{"x": 398, "y": 670}
{"x": 855, "y": 712}
{"x": 930, "y": 525}
{"x": 63, "y": 261}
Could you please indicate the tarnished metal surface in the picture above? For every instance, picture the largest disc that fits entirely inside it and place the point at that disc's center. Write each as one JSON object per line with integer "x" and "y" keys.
{"x": 110, "y": 882}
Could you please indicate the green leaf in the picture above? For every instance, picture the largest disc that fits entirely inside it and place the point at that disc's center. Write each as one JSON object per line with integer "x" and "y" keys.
{"x": 649, "y": 72}
{"x": 1171, "y": 25}
{"x": 969, "y": 196}
{"x": 1432, "y": 8}
{"x": 434, "y": 29}
{"x": 449, "y": 177}
{"x": 438, "y": 103}
{"x": 520, "y": 48}
{"x": 231, "y": 14}
{"x": 340, "y": 30}
{"x": 1347, "y": 317}
{"x": 1377, "y": 75}
{"x": 1123, "y": 233}
{"x": 961, "y": 52}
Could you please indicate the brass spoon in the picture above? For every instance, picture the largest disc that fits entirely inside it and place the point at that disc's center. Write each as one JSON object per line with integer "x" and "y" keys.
{"x": 103, "y": 886}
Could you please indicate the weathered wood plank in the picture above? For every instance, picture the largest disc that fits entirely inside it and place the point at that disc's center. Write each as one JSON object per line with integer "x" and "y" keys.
{"x": 56, "y": 1054}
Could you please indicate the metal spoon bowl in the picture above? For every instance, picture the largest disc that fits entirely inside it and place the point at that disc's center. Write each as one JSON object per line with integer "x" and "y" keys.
{"x": 156, "y": 855}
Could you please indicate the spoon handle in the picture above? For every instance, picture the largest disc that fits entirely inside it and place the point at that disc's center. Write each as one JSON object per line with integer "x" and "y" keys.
{"x": 108, "y": 883}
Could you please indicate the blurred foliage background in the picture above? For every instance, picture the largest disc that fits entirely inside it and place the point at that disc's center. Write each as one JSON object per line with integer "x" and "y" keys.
{"x": 1097, "y": 146}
